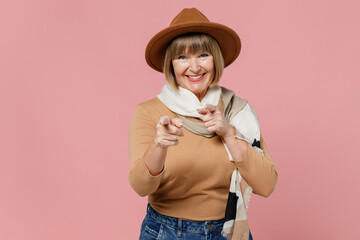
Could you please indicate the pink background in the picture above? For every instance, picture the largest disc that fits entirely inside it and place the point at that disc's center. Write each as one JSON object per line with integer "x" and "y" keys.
{"x": 72, "y": 71}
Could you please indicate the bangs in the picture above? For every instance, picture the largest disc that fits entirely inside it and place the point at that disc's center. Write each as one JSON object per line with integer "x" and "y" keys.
{"x": 191, "y": 43}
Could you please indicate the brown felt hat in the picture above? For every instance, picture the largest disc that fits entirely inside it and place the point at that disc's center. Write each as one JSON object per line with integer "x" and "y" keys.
{"x": 187, "y": 21}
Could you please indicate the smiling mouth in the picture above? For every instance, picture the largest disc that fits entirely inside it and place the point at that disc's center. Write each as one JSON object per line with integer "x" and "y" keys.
{"x": 195, "y": 78}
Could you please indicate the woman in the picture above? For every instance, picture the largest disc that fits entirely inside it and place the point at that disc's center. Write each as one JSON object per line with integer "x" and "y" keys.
{"x": 196, "y": 149}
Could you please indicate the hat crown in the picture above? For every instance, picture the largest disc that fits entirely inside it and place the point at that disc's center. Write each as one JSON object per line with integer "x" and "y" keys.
{"x": 189, "y": 15}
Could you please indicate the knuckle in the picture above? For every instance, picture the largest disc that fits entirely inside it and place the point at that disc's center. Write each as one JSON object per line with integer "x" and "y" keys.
{"x": 173, "y": 129}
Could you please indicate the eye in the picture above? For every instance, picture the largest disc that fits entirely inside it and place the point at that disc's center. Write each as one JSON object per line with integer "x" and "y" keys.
{"x": 181, "y": 57}
{"x": 204, "y": 55}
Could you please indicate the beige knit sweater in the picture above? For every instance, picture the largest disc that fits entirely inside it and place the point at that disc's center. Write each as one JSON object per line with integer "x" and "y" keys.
{"x": 195, "y": 181}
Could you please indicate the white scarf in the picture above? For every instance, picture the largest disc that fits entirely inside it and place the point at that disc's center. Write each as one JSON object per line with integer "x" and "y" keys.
{"x": 185, "y": 103}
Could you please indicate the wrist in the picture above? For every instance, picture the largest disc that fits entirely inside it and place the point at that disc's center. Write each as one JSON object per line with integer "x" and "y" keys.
{"x": 230, "y": 133}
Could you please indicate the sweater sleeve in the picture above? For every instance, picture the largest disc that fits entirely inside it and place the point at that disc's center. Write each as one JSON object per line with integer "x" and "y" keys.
{"x": 259, "y": 170}
{"x": 142, "y": 132}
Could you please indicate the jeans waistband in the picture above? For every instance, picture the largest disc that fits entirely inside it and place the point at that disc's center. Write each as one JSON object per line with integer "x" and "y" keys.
{"x": 184, "y": 224}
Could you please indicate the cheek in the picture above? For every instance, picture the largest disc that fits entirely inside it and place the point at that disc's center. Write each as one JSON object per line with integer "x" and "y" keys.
{"x": 178, "y": 69}
{"x": 211, "y": 71}
{"x": 210, "y": 66}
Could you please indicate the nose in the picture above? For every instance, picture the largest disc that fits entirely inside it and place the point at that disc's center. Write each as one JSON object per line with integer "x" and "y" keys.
{"x": 194, "y": 65}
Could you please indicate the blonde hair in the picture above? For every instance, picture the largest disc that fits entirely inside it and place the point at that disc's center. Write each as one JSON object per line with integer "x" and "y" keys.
{"x": 192, "y": 43}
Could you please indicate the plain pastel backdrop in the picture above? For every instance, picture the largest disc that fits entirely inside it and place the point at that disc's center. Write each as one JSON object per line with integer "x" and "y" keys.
{"x": 72, "y": 71}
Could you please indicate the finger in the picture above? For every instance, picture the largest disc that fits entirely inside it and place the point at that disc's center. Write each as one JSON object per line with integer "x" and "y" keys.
{"x": 172, "y": 143}
{"x": 180, "y": 133}
{"x": 210, "y": 107}
{"x": 166, "y": 143}
{"x": 177, "y": 122}
{"x": 175, "y": 130}
{"x": 207, "y": 117}
{"x": 214, "y": 115}
{"x": 210, "y": 123}
{"x": 212, "y": 129}
{"x": 164, "y": 120}
{"x": 169, "y": 137}
{"x": 202, "y": 111}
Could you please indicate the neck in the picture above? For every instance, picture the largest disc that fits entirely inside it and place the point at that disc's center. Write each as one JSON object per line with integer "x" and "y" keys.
{"x": 201, "y": 95}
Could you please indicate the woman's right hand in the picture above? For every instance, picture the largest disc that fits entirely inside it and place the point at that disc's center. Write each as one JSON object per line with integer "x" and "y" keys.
{"x": 167, "y": 132}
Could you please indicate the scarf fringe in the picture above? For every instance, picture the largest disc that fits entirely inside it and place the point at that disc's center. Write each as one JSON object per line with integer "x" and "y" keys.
{"x": 247, "y": 197}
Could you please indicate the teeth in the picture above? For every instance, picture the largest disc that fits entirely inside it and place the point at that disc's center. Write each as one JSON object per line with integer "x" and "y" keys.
{"x": 197, "y": 77}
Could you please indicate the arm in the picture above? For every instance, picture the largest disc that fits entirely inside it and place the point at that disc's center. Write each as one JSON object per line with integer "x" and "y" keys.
{"x": 257, "y": 169}
{"x": 141, "y": 134}
{"x": 148, "y": 147}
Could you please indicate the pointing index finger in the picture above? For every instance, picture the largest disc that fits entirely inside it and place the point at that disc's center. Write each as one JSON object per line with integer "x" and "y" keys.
{"x": 210, "y": 107}
{"x": 165, "y": 120}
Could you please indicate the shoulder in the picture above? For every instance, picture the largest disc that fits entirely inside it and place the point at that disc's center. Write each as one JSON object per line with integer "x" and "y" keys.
{"x": 229, "y": 96}
{"x": 153, "y": 105}
{"x": 248, "y": 115}
{"x": 248, "y": 109}
{"x": 152, "y": 109}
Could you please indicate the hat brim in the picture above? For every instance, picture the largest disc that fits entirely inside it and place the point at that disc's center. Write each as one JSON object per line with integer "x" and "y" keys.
{"x": 227, "y": 38}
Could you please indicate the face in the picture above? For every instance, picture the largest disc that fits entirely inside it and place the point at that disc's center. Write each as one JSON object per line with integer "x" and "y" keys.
{"x": 194, "y": 72}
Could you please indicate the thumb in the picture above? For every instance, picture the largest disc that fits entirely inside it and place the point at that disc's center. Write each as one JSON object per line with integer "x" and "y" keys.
{"x": 177, "y": 122}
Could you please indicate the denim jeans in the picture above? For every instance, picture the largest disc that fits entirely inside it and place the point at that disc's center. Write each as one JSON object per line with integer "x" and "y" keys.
{"x": 161, "y": 227}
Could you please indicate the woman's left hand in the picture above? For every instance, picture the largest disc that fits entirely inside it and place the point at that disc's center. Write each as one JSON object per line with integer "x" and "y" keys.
{"x": 215, "y": 121}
